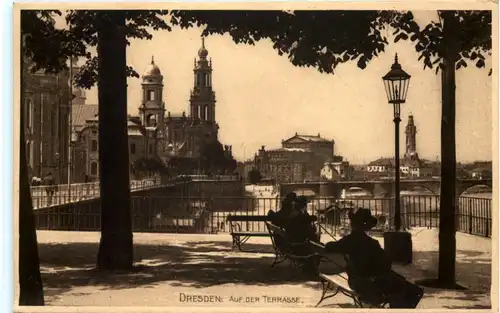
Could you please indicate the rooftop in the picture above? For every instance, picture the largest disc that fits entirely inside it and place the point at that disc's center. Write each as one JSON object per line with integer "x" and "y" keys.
{"x": 314, "y": 138}
{"x": 82, "y": 112}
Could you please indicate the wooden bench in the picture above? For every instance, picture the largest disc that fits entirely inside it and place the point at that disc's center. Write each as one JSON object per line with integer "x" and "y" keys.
{"x": 284, "y": 249}
{"x": 240, "y": 237}
{"x": 338, "y": 283}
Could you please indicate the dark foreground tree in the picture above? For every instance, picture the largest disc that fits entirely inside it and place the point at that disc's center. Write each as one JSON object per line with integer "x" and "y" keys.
{"x": 116, "y": 245}
{"x": 325, "y": 39}
{"x": 108, "y": 31}
{"x": 30, "y": 280}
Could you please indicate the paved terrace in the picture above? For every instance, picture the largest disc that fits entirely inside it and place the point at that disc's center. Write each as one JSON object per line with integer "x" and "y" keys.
{"x": 174, "y": 265}
{"x": 77, "y": 192}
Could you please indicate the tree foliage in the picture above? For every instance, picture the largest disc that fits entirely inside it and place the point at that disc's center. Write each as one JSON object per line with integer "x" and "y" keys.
{"x": 326, "y": 39}
{"x": 150, "y": 165}
{"x": 214, "y": 158}
{"x": 254, "y": 176}
{"x": 320, "y": 39}
{"x": 49, "y": 48}
{"x": 84, "y": 33}
{"x": 45, "y": 46}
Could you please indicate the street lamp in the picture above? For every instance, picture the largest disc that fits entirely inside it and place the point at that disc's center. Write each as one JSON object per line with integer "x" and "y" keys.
{"x": 57, "y": 156}
{"x": 396, "y": 82}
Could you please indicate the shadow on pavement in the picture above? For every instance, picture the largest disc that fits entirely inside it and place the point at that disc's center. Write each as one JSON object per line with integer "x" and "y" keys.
{"x": 199, "y": 264}
{"x": 192, "y": 264}
{"x": 473, "y": 269}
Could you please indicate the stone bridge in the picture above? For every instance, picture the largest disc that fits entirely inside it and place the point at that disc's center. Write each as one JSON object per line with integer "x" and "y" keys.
{"x": 379, "y": 187}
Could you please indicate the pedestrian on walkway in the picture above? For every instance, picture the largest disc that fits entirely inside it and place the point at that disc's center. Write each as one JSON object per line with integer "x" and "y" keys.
{"x": 50, "y": 187}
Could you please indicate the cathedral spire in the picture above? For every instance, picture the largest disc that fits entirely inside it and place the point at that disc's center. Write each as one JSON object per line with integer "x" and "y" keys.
{"x": 203, "y": 97}
{"x": 203, "y": 52}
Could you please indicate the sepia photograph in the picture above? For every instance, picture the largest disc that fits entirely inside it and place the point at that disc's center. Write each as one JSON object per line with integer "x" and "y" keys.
{"x": 263, "y": 156}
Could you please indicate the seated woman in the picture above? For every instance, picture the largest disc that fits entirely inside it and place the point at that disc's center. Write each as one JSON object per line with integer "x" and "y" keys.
{"x": 369, "y": 268}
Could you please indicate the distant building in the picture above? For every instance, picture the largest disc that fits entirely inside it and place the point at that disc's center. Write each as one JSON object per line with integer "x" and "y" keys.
{"x": 248, "y": 165}
{"x": 45, "y": 111}
{"x": 336, "y": 170}
{"x": 310, "y": 143}
{"x": 482, "y": 173}
{"x": 382, "y": 165}
{"x": 300, "y": 159}
{"x": 410, "y": 165}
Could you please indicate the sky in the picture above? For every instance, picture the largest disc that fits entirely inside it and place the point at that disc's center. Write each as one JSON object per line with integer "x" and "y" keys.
{"x": 262, "y": 98}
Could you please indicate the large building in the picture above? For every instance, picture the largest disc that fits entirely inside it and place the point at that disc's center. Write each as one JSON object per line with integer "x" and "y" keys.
{"x": 45, "y": 109}
{"x": 300, "y": 159}
{"x": 155, "y": 133}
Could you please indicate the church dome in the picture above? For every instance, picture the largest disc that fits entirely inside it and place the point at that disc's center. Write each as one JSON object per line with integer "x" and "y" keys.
{"x": 203, "y": 52}
{"x": 152, "y": 69}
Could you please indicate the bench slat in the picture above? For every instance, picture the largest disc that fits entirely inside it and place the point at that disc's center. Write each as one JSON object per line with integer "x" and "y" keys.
{"x": 248, "y": 218}
{"x": 253, "y": 234}
{"x": 337, "y": 280}
{"x": 258, "y": 218}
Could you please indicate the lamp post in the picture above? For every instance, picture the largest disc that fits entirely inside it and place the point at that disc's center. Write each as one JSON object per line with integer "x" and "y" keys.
{"x": 58, "y": 168}
{"x": 396, "y": 82}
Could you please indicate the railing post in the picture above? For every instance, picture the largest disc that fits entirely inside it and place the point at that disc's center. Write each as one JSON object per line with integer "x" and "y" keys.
{"x": 470, "y": 216}
{"x": 487, "y": 227}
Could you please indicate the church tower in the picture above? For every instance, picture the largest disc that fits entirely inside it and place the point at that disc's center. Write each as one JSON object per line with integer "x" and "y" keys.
{"x": 152, "y": 108}
{"x": 202, "y": 100}
{"x": 411, "y": 139}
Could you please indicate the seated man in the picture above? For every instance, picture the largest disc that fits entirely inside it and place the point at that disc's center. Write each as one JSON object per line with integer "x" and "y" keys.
{"x": 279, "y": 218}
{"x": 369, "y": 268}
{"x": 300, "y": 229}
{"x": 299, "y": 226}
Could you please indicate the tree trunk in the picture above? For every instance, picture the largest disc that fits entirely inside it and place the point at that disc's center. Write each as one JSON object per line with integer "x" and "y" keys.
{"x": 447, "y": 240}
{"x": 116, "y": 245}
{"x": 30, "y": 280}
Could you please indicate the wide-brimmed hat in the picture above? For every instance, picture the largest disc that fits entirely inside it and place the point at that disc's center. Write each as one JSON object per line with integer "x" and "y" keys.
{"x": 301, "y": 200}
{"x": 362, "y": 218}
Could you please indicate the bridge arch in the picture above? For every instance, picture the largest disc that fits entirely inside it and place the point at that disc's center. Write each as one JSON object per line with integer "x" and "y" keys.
{"x": 305, "y": 192}
{"x": 432, "y": 188}
{"x": 298, "y": 187}
{"x": 463, "y": 188}
{"x": 368, "y": 189}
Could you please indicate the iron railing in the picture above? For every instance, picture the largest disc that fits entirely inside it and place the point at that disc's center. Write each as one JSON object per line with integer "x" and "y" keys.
{"x": 55, "y": 195}
{"x": 209, "y": 215}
